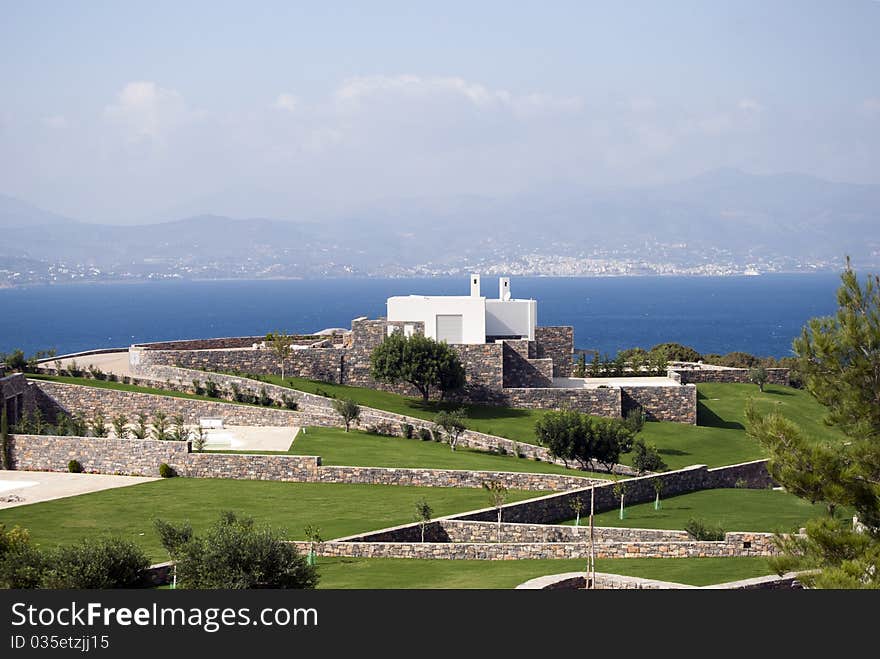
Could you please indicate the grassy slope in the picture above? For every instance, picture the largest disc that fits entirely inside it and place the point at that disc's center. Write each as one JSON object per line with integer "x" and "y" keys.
{"x": 119, "y": 386}
{"x": 507, "y": 422}
{"x": 338, "y": 509}
{"x": 357, "y": 448}
{"x": 410, "y": 573}
{"x": 718, "y": 439}
{"x": 735, "y": 510}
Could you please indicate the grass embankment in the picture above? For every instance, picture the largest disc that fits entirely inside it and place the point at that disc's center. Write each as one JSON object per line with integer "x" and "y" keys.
{"x": 718, "y": 439}
{"x": 767, "y": 511}
{"x": 357, "y": 448}
{"x": 338, "y": 509}
{"x": 513, "y": 423}
{"x": 121, "y": 386}
{"x": 416, "y": 573}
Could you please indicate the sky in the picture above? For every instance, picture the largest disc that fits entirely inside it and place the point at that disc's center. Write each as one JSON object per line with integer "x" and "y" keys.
{"x": 125, "y": 112}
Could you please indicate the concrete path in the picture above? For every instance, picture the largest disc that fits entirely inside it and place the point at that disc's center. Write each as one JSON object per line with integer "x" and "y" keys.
{"x": 35, "y": 486}
{"x": 251, "y": 438}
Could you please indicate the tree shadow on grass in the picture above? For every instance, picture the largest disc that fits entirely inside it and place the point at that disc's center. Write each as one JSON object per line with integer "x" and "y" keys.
{"x": 672, "y": 451}
{"x": 706, "y": 417}
{"x": 773, "y": 391}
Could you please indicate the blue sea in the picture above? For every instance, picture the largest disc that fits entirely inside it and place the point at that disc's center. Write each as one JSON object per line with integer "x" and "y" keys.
{"x": 760, "y": 315}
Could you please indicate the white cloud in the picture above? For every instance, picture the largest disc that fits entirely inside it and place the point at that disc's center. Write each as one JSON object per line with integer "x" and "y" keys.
{"x": 749, "y": 105}
{"x": 870, "y": 106}
{"x": 55, "y": 121}
{"x": 146, "y": 111}
{"x": 287, "y": 102}
{"x": 354, "y": 92}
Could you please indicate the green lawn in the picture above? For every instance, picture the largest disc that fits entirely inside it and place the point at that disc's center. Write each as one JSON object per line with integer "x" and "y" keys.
{"x": 357, "y": 448}
{"x": 734, "y": 509}
{"x": 338, "y": 509}
{"x": 720, "y": 438}
{"x": 516, "y": 424}
{"x": 416, "y": 573}
{"x": 120, "y": 386}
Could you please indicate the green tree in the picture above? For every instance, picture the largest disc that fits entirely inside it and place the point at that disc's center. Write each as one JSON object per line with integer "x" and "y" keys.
{"x": 610, "y": 439}
{"x": 179, "y": 431}
{"x": 497, "y": 495}
{"x": 580, "y": 371}
{"x": 419, "y": 361}
{"x": 595, "y": 366}
{"x": 646, "y": 457}
{"x": 99, "y": 424}
{"x": 567, "y": 435}
{"x": 234, "y": 553}
{"x": 120, "y": 429}
{"x": 424, "y": 512}
{"x": 657, "y": 483}
{"x": 140, "y": 430}
{"x": 758, "y": 376}
{"x": 675, "y": 352}
{"x": 619, "y": 490}
{"x": 452, "y": 423}
{"x": 577, "y": 505}
{"x": 839, "y": 361}
{"x": 159, "y": 431}
{"x": 281, "y": 343}
{"x": 313, "y": 535}
{"x": 349, "y": 410}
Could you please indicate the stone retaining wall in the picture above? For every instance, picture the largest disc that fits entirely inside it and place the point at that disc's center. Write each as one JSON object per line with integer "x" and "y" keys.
{"x": 318, "y": 411}
{"x": 73, "y": 398}
{"x": 460, "y": 531}
{"x": 557, "y": 507}
{"x": 557, "y": 343}
{"x": 728, "y": 375}
{"x": 134, "y": 457}
{"x": 677, "y": 404}
{"x": 742, "y": 544}
{"x": 599, "y": 402}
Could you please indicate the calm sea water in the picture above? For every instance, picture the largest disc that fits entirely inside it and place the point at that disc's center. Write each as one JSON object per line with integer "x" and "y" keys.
{"x": 760, "y": 315}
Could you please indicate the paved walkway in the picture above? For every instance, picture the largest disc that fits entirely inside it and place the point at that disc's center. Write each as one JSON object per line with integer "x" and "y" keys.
{"x": 109, "y": 362}
{"x": 251, "y": 438}
{"x": 35, "y": 486}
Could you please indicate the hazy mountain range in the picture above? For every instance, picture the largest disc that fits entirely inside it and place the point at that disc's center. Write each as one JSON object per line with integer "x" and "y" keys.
{"x": 722, "y": 215}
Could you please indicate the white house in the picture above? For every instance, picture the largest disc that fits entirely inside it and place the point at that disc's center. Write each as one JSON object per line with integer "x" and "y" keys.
{"x": 468, "y": 318}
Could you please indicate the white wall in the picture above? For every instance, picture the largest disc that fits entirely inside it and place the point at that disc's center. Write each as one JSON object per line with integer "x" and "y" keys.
{"x": 426, "y": 309}
{"x": 511, "y": 318}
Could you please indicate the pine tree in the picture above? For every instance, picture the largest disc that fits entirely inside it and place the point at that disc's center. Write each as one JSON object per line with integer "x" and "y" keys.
{"x": 839, "y": 358}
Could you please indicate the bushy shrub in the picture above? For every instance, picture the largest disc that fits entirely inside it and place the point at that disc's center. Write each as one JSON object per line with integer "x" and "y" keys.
{"x": 289, "y": 402}
{"x": 424, "y": 434}
{"x": 406, "y": 430}
{"x": 698, "y": 529}
{"x": 646, "y": 457}
{"x": 74, "y": 467}
{"x": 235, "y": 553}
{"x": 212, "y": 389}
{"x": 166, "y": 471}
{"x": 676, "y": 352}
{"x": 265, "y": 399}
{"x": 100, "y": 563}
{"x": 635, "y": 420}
{"x": 21, "y": 563}
{"x": 198, "y": 389}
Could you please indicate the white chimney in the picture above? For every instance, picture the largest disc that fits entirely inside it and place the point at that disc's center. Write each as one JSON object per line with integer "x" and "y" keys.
{"x": 504, "y": 288}
{"x": 475, "y": 285}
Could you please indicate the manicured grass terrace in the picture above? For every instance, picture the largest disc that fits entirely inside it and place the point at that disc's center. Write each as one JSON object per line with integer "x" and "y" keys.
{"x": 357, "y": 448}
{"x": 718, "y": 439}
{"x": 338, "y": 509}
{"x": 767, "y": 511}
{"x": 416, "y": 573}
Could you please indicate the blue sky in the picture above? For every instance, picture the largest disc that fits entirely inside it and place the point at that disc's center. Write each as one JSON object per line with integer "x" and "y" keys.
{"x": 126, "y": 112}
